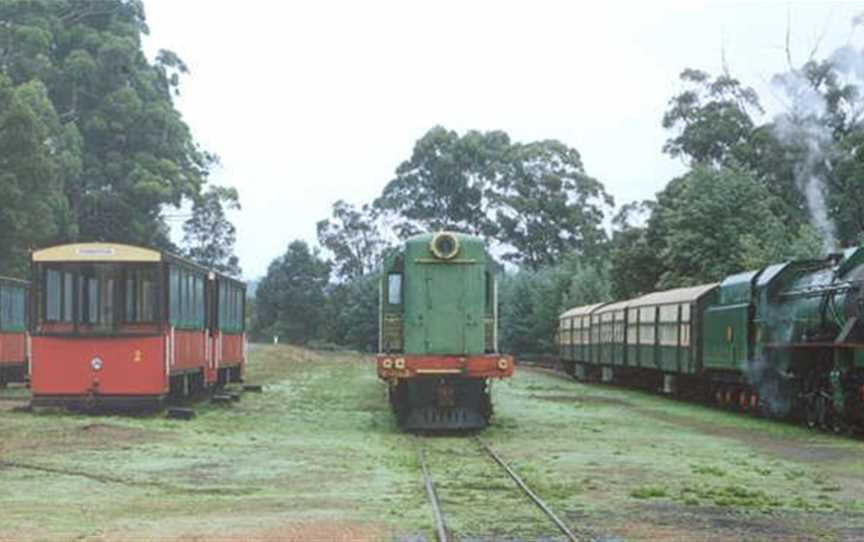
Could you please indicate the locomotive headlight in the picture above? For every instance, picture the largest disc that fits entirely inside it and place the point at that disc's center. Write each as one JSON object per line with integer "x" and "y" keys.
{"x": 503, "y": 364}
{"x": 387, "y": 363}
{"x": 96, "y": 364}
{"x": 399, "y": 363}
{"x": 444, "y": 245}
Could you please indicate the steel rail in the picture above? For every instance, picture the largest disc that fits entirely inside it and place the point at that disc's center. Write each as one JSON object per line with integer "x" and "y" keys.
{"x": 527, "y": 490}
{"x": 440, "y": 526}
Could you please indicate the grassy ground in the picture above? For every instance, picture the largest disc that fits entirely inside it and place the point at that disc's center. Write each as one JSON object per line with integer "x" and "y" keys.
{"x": 317, "y": 457}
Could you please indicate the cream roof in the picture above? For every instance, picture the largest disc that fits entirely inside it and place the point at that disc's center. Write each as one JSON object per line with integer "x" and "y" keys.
{"x": 619, "y": 306}
{"x": 678, "y": 295}
{"x": 97, "y": 252}
{"x": 584, "y": 310}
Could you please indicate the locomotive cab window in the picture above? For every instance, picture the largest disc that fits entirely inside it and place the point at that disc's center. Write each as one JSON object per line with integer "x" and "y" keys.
{"x": 394, "y": 288}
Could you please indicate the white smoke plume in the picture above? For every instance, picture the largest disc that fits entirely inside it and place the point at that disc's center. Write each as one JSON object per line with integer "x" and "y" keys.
{"x": 802, "y": 126}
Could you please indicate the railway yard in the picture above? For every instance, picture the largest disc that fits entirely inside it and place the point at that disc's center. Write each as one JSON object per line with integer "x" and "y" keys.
{"x": 317, "y": 456}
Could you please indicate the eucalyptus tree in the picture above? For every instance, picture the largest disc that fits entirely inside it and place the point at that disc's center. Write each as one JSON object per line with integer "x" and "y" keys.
{"x": 125, "y": 149}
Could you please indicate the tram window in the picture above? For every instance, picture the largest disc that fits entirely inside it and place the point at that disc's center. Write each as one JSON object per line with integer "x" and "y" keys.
{"x": 181, "y": 297}
{"x": 12, "y": 308}
{"x": 106, "y": 299}
{"x": 192, "y": 317}
{"x": 68, "y": 290}
{"x": 92, "y": 293}
{"x": 20, "y": 308}
{"x": 241, "y": 295}
{"x": 140, "y": 296}
{"x": 53, "y": 295}
{"x": 174, "y": 295}
{"x": 230, "y": 295}
{"x": 131, "y": 297}
{"x": 199, "y": 289}
{"x": 189, "y": 316}
{"x": 394, "y": 289}
{"x": 5, "y": 307}
{"x": 146, "y": 298}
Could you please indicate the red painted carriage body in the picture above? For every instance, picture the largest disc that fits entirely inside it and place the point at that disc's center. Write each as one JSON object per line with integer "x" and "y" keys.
{"x": 13, "y": 330}
{"x": 135, "y": 363}
{"x": 13, "y": 348}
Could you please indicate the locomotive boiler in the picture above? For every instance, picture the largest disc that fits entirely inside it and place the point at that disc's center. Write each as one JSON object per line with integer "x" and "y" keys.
{"x": 808, "y": 328}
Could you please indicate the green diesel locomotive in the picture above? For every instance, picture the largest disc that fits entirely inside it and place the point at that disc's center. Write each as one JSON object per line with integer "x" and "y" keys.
{"x": 438, "y": 332}
{"x": 786, "y": 341}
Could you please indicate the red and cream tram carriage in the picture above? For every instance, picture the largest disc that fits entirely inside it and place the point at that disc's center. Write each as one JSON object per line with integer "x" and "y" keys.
{"x": 125, "y": 326}
{"x": 13, "y": 331}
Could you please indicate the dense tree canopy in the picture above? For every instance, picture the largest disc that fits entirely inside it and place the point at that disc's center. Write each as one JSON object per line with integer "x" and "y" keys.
{"x": 33, "y": 210}
{"x": 547, "y": 207}
{"x": 708, "y": 216}
{"x": 291, "y": 299}
{"x": 96, "y": 134}
{"x": 445, "y": 184}
{"x": 534, "y": 199}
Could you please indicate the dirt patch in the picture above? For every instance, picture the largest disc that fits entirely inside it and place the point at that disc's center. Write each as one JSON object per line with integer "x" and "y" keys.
{"x": 664, "y": 521}
{"x": 92, "y": 436}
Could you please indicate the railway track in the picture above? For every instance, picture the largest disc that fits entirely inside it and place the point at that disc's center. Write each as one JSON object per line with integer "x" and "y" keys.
{"x": 443, "y": 532}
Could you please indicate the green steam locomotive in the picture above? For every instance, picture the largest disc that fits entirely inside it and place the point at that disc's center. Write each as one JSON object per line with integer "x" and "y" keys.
{"x": 785, "y": 341}
{"x": 438, "y": 333}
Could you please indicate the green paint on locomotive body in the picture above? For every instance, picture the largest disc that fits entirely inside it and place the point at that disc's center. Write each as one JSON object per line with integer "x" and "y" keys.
{"x": 726, "y": 341}
{"x": 760, "y": 314}
{"x": 810, "y": 302}
{"x": 791, "y": 333}
{"x": 446, "y": 305}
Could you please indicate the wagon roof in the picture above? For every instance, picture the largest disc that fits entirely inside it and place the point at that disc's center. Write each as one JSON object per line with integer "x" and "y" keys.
{"x": 618, "y": 306}
{"x": 678, "y": 295}
{"x": 584, "y": 310}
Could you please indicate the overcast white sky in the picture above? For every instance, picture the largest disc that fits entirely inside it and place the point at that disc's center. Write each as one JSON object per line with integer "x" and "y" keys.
{"x": 310, "y": 102}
